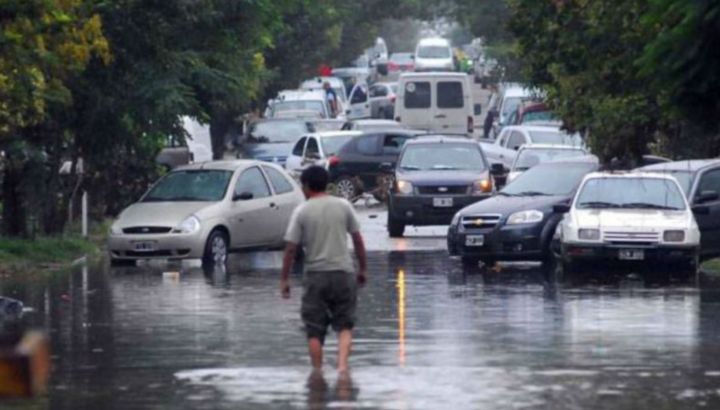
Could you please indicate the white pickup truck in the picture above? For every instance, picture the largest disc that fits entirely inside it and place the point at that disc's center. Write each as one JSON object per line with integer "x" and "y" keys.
{"x": 503, "y": 149}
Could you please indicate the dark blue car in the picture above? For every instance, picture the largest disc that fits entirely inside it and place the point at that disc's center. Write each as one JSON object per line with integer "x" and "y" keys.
{"x": 272, "y": 140}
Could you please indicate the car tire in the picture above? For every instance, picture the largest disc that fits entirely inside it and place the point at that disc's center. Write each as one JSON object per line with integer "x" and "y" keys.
{"x": 216, "y": 248}
{"x": 122, "y": 262}
{"x": 346, "y": 188}
{"x": 395, "y": 229}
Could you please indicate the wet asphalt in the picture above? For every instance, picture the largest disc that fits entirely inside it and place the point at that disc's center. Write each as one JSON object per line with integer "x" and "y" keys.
{"x": 430, "y": 335}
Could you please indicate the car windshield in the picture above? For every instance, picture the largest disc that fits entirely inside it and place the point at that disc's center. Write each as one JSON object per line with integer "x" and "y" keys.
{"x": 538, "y": 116}
{"x": 633, "y": 193}
{"x": 330, "y": 125}
{"x": 331, "y": 145}
{"x": 554, "y": 137}
{"x": 277, "y": 131}
{"x": 509, "y": 105}
{"x": 401, "y": 58}
{"x": 442, "y": 156}
{"x": 528, "y": 158}
{"x": 434, "y": 52}
{"x": 316, "y": 106}
{"x": 549, "y": 179}
{"x": 684, "y": 178}
{"x": 195, "y": 185}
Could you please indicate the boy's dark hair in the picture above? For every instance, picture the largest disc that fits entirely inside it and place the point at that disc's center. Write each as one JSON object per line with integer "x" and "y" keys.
{"x": 315, "y": 178}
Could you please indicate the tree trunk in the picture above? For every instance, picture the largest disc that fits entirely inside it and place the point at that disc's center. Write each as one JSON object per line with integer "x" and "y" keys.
{"x": 14, "y": 215}
{"x": 219, "y": 127}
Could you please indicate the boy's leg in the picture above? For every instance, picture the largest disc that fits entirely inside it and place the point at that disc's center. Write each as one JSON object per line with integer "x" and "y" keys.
{"x": 344, "y": 347}
{"x": 314, "y": 315}
{"x": 315, "y": 348}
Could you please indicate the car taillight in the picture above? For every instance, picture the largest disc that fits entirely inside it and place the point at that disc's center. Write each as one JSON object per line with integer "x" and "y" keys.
{"x": 392, "y": 99}
{"x": 470, "y": 124}
{"x": 392, "y": 66}
{"x": 333, "y": 161}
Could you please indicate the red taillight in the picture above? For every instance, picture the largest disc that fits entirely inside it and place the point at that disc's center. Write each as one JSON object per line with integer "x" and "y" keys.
{"x": 392, "y": 67}
{"x": 471, "y": 124}
{"x": 392, "y": 99}
{"x": 332, "y": 161}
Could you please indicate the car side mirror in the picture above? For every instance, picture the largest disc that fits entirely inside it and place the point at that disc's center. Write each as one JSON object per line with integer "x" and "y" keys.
{"x": 243, "y": 196}
{"x": 706, "y": 196}
{"x": 701, "y": 210}
{"x": 478, "y": 109}
{"x": 561, "y": 208}
{"x": 497, "y": 169}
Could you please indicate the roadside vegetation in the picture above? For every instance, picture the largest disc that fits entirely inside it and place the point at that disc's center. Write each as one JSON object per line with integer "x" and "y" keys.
{"x": 21, "y": 254}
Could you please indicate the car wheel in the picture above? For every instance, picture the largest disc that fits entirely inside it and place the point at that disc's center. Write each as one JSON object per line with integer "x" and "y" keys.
{"x": 216, "y": 248}
{"x": 396, "y": 229}
{"x": 345, "y": 188}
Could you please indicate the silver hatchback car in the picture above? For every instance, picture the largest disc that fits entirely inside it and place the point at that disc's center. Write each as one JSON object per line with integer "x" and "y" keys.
{"x": 207, "y": 210}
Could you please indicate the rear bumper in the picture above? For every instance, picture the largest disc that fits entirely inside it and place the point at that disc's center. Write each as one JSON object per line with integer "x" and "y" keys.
{"x": 418, "y": 210}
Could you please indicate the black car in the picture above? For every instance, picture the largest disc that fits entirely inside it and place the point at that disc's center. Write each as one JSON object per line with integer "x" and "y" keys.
{"x": 518, "y": 223}
{"x": 435, "y": 177}
{"x": 272, "y": 140}
{"x": 700, "y": 179}
{"x": 362, "y": 163}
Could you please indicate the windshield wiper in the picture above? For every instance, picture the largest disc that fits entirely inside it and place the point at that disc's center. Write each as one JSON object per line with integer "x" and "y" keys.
{"x": 646, "y": 205}
{"x": 597, "y": 205}
{"x": 444, "y": 167}
{"x": 410, "y": 167}
{"x": 531, "y": 193}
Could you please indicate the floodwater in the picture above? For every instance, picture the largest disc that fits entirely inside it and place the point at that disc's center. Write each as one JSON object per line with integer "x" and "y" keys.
{"x": 430, "y": 336}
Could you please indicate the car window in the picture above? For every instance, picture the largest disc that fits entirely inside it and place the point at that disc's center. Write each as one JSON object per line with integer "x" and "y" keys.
{"x": 191, "y": 185}
{"x": 392, "y": 144}
{"x": 442, "y": 157}
{"x": 312, "y": 147}
{"x": 252, "y": 181}
{"x": 517, "y": 139}
{"x": 504, "y": 135}
{"x": 434, "y": 52}
{"x": 509, "y": 105}
{"x": 417, "y": 94}
{"x": 631, "y": 193}
{"x": 359, "y": 95}
{"x": 277, "y": 131}
{"x": 710, "y": 181}
{"x": 554, "y": 137}
{"x": 555, "y": 179}
{"x": 279, "y": 182}
{"x": 378, "y": 91}
{"x": 450, "y": 94}
{"x": 367, "y": 145}
{"x": 528, "y": 158}
{"x": 298, "y": 150}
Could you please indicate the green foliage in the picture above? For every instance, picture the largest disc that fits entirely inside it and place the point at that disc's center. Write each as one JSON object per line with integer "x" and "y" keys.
{"x": 44, "y": 250}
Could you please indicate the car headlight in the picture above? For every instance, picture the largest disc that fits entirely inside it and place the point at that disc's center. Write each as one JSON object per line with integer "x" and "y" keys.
{"x": 455, "y": 219}
{"x": 525, "y": 217}
{"x": 115, "y": 229}
{"x": 482, "y": 186}
{"x": 189, "y": 225}
{"x": 674, "y": 236}
{"x": 404, "y": 187}
{"x": 589, "y": 234}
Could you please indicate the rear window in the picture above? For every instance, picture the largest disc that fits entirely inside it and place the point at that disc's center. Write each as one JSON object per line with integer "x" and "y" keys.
{"x": 450, "y": 94}
{"x": 417, "y": 94}
{"x": 434, "y": 52}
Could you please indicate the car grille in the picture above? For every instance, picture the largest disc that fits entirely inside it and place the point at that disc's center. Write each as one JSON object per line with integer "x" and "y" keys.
{"x": 144, "y": 230}
{"x": 486, "y": 221}
{"x": 443, "y": 190}
{"x": 632, "y": 237}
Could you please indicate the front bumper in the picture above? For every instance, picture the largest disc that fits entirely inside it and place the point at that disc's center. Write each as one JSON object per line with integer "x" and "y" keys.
{"x": 579, "y": 252}
{"x": 161, "y": 246}
{"x": 502, "y": 242}
{"x": 418, "y": 210}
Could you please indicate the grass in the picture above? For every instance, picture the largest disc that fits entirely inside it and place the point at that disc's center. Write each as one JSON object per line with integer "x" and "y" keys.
{"x": 16, "y": 254}
{"x": 712, "y": 265}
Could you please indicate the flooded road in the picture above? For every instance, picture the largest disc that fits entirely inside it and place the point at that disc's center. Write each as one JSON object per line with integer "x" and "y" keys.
{"x": 430, "y": 335}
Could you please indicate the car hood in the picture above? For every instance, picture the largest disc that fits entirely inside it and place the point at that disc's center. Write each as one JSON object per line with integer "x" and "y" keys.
{"x": 267, "y": 151}
{"x": 649, "y": 219}
{"x": 168, "y": 214}
{"x": 430, "y": 178}
{"x": 506, "y": 205}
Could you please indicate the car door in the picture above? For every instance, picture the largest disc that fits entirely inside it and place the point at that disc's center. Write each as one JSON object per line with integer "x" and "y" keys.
{"x": 286, "y": 199}
{"x": 359, "y": 102}
{"x": 378, "y": 100}
{"x": 362, "y": 159}
{"x": 312, "y": 154}
{"x": 709, "y": 224}
{"x": 415, "y": 107}
{"x": 294, "y": 160}
{"x": 252, "y": 216}
{"x": 452, "y": 106}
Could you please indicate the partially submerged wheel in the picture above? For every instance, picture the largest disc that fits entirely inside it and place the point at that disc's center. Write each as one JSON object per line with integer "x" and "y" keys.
{"x": 216, "y": 248}
{"x": 396, "y": 229}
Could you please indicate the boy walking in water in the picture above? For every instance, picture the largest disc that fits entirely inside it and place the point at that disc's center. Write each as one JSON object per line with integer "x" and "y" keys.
{"x": 321, "y": 225}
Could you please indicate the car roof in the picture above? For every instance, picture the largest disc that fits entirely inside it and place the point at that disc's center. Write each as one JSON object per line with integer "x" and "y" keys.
{"x": 296, "y": 95}
{"x": 550, "y": 146}
{"x": 438, "y": 74}
{"x": 334, "y": 81}
{"x": 374, "y": 121}
{"x": 517, "y": 91}
{"x": 276, "y": 119}
{"x": 436, "y": 139}
{"x": 333, "y": 134}
{"x": 535, "y": 127}
{"x": 629, "y": 174}
{"x": 219, "y": 165}
{"x": 434, "y": 41}
{"x": 688, "y": 165}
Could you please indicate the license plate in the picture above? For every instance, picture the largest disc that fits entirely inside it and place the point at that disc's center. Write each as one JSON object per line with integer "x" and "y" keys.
{"x": 442, "y": 202}
{"x": 631, "y": 255}
{"x": 146, "y": 246}
{"x": 474, "y": 240}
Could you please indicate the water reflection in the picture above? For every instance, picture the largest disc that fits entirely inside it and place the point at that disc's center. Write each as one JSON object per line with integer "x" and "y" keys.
{"x": 401, "y": 316}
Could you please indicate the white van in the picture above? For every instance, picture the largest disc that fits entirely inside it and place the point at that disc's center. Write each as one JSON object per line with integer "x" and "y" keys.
{"x": 434, "y": 54}
{"x": 436, "y": 102}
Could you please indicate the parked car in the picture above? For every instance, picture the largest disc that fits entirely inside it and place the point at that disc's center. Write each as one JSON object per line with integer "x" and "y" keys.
{"x": 382, "y": 100}
{"x": 317, "y": 149}
{"x": 359, "y": 104}
{"x": 700, "y": 180}
{"x": 361, "y": 164}
{"x": 629, "y": 217}
{"x": 337, "y": 84}
{"x": 434, "y": 54}
{"x": 531, "y": 155}
{"x": 205, "y": 211}
{"x": 532, "y": 112}
{"x": 353, "y": 75}
{"x": 401, "y": 63}
{"x": 518, "y": 223}
{"x": 299, "y": 104}
{"x": 511, "y": 96}
{"x": 505, "y": 147}
{"x": 371, "y": 125}
{"x": 196, "y": 147}
{"x": 435, "y": 177}
{"x": 436, "y": 102}
{"x": 272, "y": 139}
